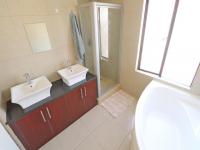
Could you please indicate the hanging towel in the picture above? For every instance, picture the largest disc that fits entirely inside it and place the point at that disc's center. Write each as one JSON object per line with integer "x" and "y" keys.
{"x": 78, "y": 41}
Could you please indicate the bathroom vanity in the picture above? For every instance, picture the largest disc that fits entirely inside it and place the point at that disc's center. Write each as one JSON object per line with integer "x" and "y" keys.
{"x": 39, "y": 123}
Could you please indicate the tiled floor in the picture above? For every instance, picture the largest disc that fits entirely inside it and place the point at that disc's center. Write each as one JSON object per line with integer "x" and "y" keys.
{"x": 96, "y": 130}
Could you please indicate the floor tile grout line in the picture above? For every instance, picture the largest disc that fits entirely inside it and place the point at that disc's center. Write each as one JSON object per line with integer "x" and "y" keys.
{"x": 101, "y": 124}
{"x": 92, "y": 131}
{"x": 123, "y": 141}
{"x": 120, "y": 143}
{"x": 104, "y": 148}
{"x": 104, "y": 121}
{"x": 89, "y": 133}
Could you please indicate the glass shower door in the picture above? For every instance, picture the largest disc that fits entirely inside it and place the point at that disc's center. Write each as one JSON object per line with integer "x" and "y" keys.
{"x": 86, "y": 29}
{"x": 109, "y": 43}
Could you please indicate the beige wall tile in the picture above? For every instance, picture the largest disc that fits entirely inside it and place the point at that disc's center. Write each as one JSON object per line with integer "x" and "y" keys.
{"x": 12, "y": 41}
{"x": 4, "y": 11}
{"x": 130, "y": 80}
{"x": 54, "y": 6}
{"x": 57, "y": 29}
{"x": 27, "y": 7}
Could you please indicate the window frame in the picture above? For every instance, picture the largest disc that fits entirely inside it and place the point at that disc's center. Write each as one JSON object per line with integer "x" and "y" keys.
{"x": 141, "y": 42}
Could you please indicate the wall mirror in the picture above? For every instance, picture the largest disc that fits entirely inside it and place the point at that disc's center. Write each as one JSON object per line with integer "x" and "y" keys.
{"x": 38, "y": 37}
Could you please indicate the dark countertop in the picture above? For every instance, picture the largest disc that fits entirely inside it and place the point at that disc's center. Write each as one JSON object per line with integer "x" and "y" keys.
{"x": 58, "y": 89}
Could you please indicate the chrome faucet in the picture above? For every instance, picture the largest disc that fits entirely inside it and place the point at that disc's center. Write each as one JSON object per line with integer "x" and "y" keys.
{"x": 28, "y": 78}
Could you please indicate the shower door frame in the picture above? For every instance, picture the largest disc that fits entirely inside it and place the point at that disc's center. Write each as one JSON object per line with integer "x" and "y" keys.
{"x": 96, "y": 35}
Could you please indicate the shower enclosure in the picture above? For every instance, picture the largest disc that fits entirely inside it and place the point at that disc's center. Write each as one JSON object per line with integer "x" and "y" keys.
{"x": 100, "y": 27}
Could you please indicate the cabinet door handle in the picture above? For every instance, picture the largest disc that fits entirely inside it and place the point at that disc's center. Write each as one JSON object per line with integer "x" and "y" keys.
{"x": 47, "y": 109}
{"x": 81, "y": 93}
{"x": 42, "y": 116}
{"x": 85, "y": 90}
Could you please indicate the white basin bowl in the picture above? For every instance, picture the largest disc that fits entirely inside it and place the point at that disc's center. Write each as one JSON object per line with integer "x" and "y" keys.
{"x": 73, "y": 74}
{"x": 28, "y": 94}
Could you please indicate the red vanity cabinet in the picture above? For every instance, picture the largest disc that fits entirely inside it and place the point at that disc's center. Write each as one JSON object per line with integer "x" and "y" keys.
{"x": 83, "y": 98}
{"x": 90, "y": 93}
{"x": 33, "y": 130}
{"x": 58, "y": 115}
{"x": 36, "y": 128}
{"x": 76, "y": 103}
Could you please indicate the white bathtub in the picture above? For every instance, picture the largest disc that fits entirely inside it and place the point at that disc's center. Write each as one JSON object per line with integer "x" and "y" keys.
{"x": 167, "y": 119}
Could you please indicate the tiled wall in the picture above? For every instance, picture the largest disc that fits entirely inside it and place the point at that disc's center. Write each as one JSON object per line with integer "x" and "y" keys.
{"x": 16, "y": 56}
{"x": 131, "y": 81}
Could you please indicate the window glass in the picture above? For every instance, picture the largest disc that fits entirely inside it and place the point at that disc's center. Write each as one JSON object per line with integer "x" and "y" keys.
{"x": 103, "y": 21}
{"x": 183, "y": 55}
{"x": 157, "y": 27}
{"x": 173, "y": 56}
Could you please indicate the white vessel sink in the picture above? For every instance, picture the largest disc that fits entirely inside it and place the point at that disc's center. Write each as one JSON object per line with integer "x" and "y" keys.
{"x": 26, "y": 94}
{"x": 73, "y": 74}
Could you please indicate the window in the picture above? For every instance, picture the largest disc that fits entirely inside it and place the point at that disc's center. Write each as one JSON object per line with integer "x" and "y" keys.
{"x": 169, "y": 45}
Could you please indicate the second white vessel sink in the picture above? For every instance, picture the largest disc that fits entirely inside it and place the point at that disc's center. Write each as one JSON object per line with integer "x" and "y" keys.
{"x": 27, "y": 94}
{"x": 73, "y": 74}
